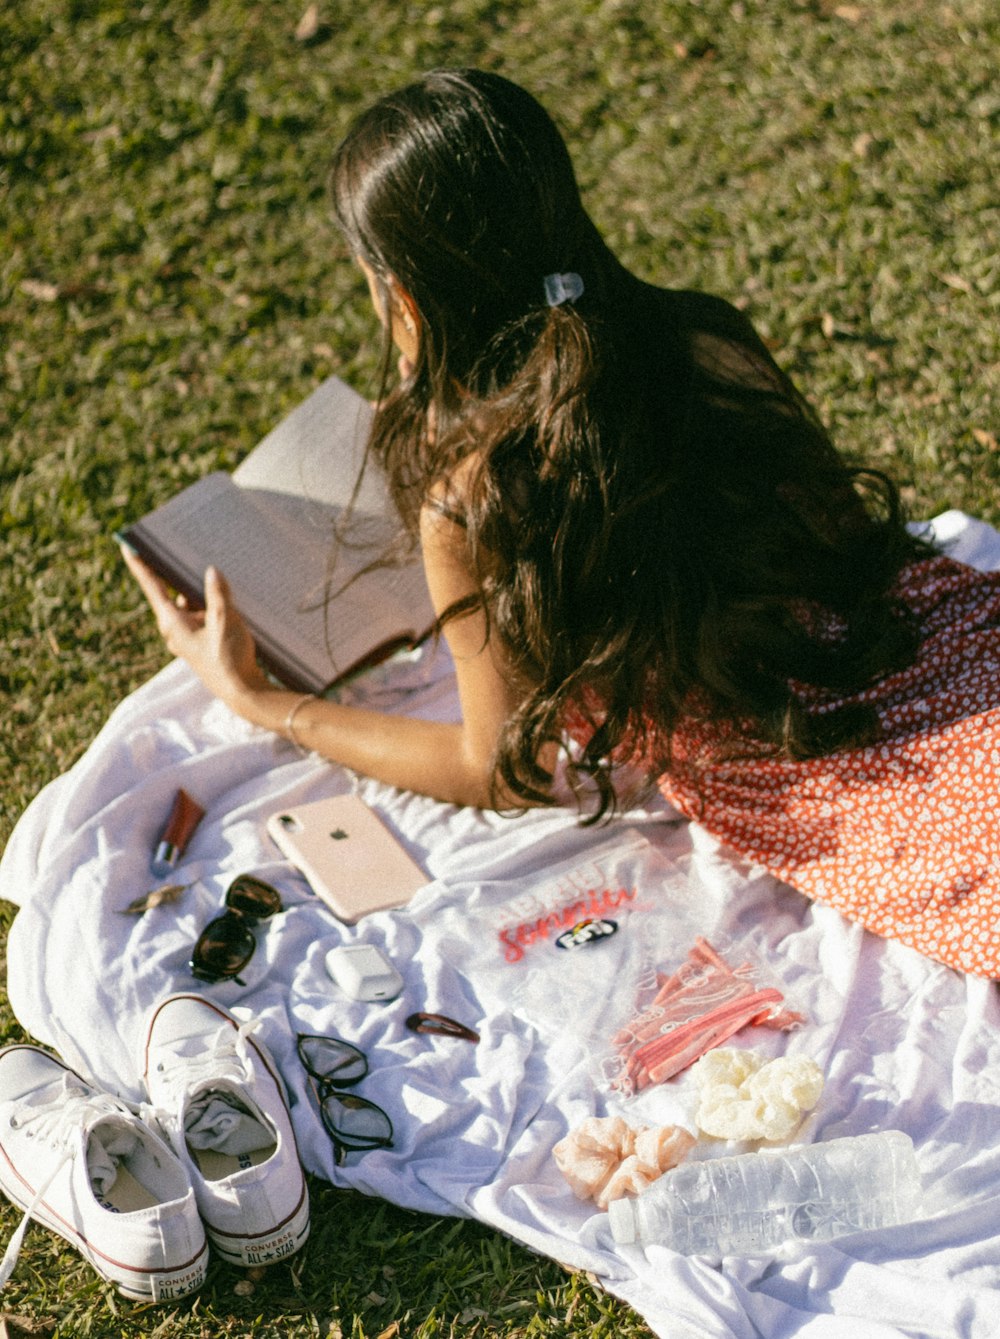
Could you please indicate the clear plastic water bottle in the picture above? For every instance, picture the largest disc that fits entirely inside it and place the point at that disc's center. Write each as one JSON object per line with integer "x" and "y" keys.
{"x": 752, "y": 1201}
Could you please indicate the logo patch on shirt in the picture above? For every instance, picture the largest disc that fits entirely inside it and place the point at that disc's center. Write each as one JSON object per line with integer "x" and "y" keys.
{"x": 586, "y": 932}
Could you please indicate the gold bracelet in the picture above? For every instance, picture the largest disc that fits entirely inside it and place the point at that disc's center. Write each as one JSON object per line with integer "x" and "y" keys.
{"x": 290, "y": 720}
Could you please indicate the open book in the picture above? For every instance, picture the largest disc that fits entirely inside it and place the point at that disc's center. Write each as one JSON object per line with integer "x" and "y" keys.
{"x": 270, "y": 528}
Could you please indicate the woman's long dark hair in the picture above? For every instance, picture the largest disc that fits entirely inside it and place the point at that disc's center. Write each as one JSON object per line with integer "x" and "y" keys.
{"x": 658, "y": 523}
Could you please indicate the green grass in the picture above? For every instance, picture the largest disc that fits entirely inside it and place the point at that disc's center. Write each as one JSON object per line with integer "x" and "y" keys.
{"x": 170, "y": 285}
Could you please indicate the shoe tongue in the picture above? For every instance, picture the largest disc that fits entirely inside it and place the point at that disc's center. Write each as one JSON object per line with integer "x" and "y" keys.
{"x": 217, "y": 1120}
{"x": 107, "y": 1144}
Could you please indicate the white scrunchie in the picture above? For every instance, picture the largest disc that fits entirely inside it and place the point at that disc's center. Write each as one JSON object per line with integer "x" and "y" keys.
{"x": 560, "y": 288}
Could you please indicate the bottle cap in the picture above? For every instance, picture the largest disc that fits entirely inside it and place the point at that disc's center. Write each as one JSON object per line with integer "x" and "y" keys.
{"x": 165, "y": 858}
{"x": 621, "y": 1216}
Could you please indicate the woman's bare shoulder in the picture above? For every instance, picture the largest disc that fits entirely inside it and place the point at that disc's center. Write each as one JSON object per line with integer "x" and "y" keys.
{"x": 448, "y": 496}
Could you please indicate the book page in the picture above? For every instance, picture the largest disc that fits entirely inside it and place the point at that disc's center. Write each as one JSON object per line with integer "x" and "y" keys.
{"x": 271, "y": 529}
{"x": 317, "y": 451}
{"x": 279, "y": 570}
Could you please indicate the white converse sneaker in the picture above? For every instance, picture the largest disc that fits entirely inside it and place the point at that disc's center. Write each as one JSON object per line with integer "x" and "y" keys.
{"x": 219, "y": 1098}
{"x": 81, "y": 1162}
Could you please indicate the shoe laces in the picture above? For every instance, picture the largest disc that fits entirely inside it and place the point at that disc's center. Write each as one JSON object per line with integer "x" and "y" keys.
{"x": 71, "y": 1107}
{"x": 224, "y": 1055}
{"x": 214, "y": 1118}
{"x": 55, "y": 1120}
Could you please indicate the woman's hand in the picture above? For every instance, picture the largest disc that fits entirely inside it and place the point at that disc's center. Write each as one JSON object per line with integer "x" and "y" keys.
{"x": 451, "y": 761}
{"x": 215, "y": 642}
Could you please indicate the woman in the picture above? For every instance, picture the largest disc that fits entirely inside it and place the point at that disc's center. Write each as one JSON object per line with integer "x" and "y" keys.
{"x": 635, "y": 530}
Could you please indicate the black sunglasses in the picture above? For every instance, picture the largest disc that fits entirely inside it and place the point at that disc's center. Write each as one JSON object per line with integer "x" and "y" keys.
{"x": 354, "y": 1124}
{"x": 226, "y": 944}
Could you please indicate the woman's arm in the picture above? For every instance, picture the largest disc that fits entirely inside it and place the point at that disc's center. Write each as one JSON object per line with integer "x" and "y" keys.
{"x": 450, "y": 762}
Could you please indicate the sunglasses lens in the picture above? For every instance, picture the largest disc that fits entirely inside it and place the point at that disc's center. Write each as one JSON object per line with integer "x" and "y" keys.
{"x": 224, "y": 948}
{"x": 334, "y": 1061}
{"x": 355, "y": 1122}
{"x": 253, "y": 897}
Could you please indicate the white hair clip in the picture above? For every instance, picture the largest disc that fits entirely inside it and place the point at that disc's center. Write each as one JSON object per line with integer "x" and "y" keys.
{"x": 560, "y": 288}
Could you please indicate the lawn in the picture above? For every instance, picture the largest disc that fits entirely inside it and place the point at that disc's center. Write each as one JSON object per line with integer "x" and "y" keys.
{"x": 170, "y": 284}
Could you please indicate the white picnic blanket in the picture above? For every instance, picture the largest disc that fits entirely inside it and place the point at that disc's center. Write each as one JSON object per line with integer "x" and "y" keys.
{"x": 903, "y": 1042}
